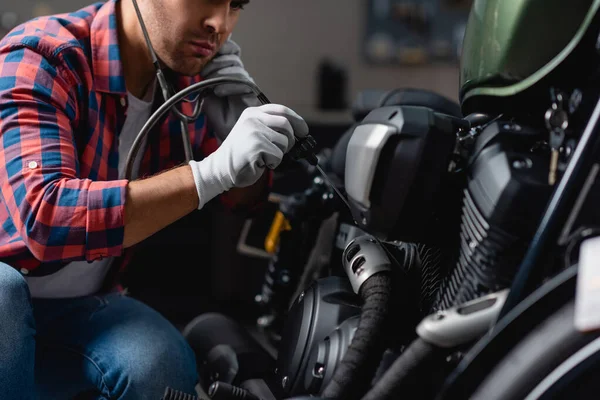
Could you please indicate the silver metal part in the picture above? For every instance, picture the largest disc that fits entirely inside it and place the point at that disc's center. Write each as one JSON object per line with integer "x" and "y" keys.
{"x": 364, "y": 150}
{"x": 347, "y": 233}
{"x": 464, "y": 323}
{"x": 363, "y": 258}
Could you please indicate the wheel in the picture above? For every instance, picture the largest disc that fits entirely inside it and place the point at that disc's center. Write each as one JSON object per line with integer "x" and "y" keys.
{"x": 545, "y": 362}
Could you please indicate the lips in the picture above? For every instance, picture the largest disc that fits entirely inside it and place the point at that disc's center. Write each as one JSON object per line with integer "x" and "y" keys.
{"x": 203, "y": 48}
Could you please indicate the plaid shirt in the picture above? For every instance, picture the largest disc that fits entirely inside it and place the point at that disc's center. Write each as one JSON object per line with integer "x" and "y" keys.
{"x": 63, "y": 103}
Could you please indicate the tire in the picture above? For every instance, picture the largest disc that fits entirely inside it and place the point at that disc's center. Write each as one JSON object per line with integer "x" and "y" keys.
{"x": 534, "y": 357}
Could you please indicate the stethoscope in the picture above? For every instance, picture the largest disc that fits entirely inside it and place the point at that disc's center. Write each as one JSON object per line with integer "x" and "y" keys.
{"x": 167, "y": 92}
{"x": 304, "y": 148}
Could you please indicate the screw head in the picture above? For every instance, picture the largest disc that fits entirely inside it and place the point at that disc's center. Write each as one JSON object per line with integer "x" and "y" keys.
{"x": 319, "y": 371}
{"x": 575, "y": 100}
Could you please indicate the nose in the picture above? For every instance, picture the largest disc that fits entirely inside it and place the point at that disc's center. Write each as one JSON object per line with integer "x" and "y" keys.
{"x": 217, "y": 20}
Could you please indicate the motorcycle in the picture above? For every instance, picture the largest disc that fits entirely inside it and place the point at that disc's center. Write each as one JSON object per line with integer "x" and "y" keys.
{"x": 472, "y": 270}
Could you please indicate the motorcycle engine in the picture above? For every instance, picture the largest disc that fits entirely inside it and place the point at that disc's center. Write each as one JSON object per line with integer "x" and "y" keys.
{"x": 401, "y": 187}
{"x": 505, "y": 196}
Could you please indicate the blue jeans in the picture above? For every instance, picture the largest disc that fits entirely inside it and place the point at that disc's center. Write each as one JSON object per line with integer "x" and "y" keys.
{"x": 112, "y": 344}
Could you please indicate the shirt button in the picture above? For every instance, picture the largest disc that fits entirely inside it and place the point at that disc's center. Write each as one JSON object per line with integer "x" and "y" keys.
{"x": 24, "y": 271}
{"x": 123, "y": 101}
{"x": 32, "y": 164}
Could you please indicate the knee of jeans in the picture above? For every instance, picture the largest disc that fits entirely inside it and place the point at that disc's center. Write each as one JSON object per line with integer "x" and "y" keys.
{"x": 161, "y": 364}
{"x": 14, "y": 292}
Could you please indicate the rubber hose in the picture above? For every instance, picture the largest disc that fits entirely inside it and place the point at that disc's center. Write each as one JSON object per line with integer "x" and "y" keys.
{"x": 353, "y": 376}
{"x": 406, "y": 370}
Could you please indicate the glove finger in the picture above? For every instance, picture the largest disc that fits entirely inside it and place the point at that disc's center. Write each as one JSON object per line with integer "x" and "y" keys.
{"x": 272, "y": 157}
{"x": 217, "y": 64}
{"x": 230, "y": 47}
{"x": 299, "y": 125}
{"x": 227, "y": 90}
{"x": 225, "y": 61}
{"x": 235, "y": 71}
{"x": 281, "y": 131}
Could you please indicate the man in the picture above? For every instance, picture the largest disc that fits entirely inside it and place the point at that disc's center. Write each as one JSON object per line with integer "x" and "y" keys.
{"x": 74, "y": 91}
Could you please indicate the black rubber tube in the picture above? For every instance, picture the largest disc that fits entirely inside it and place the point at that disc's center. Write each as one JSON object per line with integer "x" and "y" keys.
{"x": 353, "y": 376}
{"x": 406, "y": 370}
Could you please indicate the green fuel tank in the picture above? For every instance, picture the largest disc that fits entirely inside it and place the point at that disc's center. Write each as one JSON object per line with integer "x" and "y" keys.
{"x": 512, "y": 45}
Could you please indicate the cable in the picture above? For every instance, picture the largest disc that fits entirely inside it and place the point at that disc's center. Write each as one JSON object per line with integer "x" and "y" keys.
{"x": 411, "y": 368}
{"x": 172, "y": 102}
{"x": 352, "y": 377}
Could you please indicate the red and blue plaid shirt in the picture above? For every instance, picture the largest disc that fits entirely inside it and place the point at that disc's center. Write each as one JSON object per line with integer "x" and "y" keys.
{"x": 62, "y": 106}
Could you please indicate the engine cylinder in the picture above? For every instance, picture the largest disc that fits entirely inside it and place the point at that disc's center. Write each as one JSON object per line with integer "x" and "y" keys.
{"x": 506, "y": 194}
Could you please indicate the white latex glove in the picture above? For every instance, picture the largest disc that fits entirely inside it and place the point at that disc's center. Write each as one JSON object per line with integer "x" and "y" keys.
{"x": 258, "y": 140}
{"x": 227, "y": 63}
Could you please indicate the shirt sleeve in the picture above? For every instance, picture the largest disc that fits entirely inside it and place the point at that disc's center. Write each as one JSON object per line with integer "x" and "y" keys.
{"x": 59, "y": 216}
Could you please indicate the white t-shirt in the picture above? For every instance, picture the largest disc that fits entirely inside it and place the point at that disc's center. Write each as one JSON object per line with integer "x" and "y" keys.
{"x": 82, "y": 278}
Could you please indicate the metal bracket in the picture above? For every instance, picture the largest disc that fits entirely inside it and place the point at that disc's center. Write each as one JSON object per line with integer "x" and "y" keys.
{"x": 464, "y": 323}
{"x": 252, "y": 251}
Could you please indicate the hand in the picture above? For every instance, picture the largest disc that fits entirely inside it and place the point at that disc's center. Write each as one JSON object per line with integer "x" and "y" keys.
{"x": 227, "y": 63}
{"x": 224, "y": 106}
{"x": 258, "y": 140}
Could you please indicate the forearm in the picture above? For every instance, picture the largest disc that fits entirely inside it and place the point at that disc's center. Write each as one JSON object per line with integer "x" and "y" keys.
{"x": 154, "y": 203}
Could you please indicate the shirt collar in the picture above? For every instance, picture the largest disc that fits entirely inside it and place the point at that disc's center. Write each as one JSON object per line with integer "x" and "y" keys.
{"x": 106, "y": 58}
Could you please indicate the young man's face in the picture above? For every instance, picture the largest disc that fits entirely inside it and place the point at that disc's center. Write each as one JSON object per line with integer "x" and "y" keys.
{"x": 186, "y": 34}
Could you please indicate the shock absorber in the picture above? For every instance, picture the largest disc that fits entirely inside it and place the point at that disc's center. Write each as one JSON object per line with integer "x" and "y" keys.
{"x": 291, "y": 239}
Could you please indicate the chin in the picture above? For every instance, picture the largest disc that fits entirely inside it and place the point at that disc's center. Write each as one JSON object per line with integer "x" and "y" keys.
{"x": 189, "y": 68}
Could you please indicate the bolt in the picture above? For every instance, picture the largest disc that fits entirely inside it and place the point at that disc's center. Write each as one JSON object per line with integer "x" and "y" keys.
{"x": 522, "y": 163}
{"x": 258, "y": 298}
{"x": 319, "y": 371}
{"x": 285, "y": 278}
{"x": 284, "y": 382}
{"x": 364, "y": 221}
{"x": 263, "y": 321}
{"x": 575, "y": 100}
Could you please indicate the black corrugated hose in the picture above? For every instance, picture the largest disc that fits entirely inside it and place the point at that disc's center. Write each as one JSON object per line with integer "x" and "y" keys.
{"x": 353, "y": 376}
{"x": 400, "y": 379}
